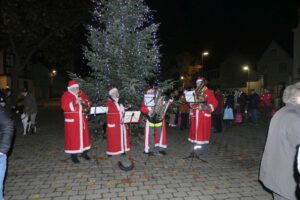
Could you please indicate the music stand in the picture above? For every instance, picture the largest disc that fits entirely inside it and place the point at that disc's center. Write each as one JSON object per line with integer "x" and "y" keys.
{"x": 190, "y": 98}
{"x": 98, "y": 110}
{"x": 149, "y": 99}
{"x": 129, "y": 117}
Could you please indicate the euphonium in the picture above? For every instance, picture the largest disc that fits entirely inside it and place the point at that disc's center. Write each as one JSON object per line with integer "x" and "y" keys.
{"x": 158, "y": 112}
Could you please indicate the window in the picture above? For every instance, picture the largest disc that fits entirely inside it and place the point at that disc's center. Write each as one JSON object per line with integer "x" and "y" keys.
{"x": 282, "y": 68}
{"x": 9, "y": 60}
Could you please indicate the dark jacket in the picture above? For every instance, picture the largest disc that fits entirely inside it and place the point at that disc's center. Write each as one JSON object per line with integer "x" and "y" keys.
{"x": 254, "y": 101}
{"x": 6, "y": 131}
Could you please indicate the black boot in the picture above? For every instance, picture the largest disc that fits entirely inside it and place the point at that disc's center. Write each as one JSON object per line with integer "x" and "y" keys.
{"x": 74, "y": 158}
{"x": 85, "y": 155}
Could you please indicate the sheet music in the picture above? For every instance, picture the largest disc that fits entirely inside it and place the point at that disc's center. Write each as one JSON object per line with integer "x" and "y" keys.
{"x": 189, "y": 96}
{"x": 98, "y": 110}
{"x": 149, "y": 100}
{"x": 132, "y": 116}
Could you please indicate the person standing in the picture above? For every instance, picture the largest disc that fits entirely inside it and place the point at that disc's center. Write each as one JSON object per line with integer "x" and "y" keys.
{"x": 218, "y": 112}
{"x": 277, "y": 170}
{"x": 74, "y": 103}
{"x": 200, "y": 129}
{"x": 184, "y": 111}
{"x": 118, "y": 141}
{"x": 155, "y": 133}
{"x": 266, "y": 103}
{"x": 6, "y": 134}
{"x": 30, "y": 108}
{"x": 241, "y": 103}
{"x": 253, "y": 106}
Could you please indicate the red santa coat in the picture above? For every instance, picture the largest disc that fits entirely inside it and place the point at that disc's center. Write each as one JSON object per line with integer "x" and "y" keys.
{"x": 77, "y": 136}
{"x": 200, "y": 120}
{"x": 118, "y": 140}
{"x": 266, "y": 99}
{"x": 159, "y": 142}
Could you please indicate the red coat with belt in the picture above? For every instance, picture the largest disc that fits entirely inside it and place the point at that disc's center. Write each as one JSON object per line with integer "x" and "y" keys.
{"x": 200, "y": 120}
{"x": 118, "y": 140}
{"x": 159, "y": 142}
{"x": 77, "y": 136}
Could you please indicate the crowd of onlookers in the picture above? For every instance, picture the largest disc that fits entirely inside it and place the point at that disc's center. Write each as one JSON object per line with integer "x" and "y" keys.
{"x": 234, "y": 107}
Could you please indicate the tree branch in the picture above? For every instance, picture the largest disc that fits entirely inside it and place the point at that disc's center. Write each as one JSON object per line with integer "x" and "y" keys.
{"x": 34, "y": 50}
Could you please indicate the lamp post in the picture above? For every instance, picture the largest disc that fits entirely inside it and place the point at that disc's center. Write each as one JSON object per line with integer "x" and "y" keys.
{"x": 247, "y": 68}
{"x": 52, "y": 74}
{"x": 205, "y": 53}
{"x": 182, "y": 79}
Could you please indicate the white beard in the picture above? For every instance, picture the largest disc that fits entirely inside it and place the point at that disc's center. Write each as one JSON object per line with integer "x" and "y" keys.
{"x": 116, "y": 100}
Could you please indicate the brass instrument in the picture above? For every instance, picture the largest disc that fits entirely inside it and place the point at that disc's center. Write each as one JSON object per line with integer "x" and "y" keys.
{"x": 158, "y": 112}
{"x": 200, "y": 97}
{"x": 85, "y": 105}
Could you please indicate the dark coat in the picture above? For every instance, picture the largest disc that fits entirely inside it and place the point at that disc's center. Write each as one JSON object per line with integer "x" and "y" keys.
{"x": 277, "y": 165}
{"x": 254, "y": 101}
{"x": 6, "y": 131}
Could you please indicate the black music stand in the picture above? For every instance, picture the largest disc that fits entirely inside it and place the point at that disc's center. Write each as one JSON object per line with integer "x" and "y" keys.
{"x": 129, "y": 117}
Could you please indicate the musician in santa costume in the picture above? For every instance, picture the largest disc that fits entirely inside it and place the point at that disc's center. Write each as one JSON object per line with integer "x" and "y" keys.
{"x": 200, "y": 116}
{"x": 77, "y": 137}
{"x": 118, "y": 141}
{"x": 155, "y": 134}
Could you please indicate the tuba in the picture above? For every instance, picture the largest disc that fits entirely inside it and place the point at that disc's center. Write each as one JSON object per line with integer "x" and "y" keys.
{"x": 200, "y": 97}
{"x": 158, "y": 112}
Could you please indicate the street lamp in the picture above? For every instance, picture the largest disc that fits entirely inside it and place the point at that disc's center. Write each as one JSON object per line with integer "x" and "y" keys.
{"x": 182, "y": 79}
{"x": 205, "y": 53}
{"x": 247, "y": 68}
{"x": 52, "y": 74}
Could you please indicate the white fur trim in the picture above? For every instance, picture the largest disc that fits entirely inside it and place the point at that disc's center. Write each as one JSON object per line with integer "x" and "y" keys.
{"x": 117, "y": 153}
{"x": 69, "y": 120}
{"x": 207, "y": 115}
{"x": 198, "y": 142}
{"x": 111, "y": 125}
{"x": 211, "y": 107}
{"x": 78, "y": 151}
{"x": 73, "y": 86}
{"x": 71, "y": 106}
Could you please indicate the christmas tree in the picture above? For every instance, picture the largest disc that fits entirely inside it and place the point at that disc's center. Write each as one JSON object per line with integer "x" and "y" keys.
{"x": 122, "y": 51}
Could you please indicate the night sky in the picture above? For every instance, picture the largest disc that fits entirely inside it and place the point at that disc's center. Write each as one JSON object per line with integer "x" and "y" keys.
{"x": 222, "y": 26}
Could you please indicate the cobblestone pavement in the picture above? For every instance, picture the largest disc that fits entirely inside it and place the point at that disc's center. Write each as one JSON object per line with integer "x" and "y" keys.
{"x": 38, "y": 168}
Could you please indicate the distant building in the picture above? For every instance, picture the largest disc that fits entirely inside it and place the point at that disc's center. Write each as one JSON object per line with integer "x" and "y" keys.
{"x": 276, "y": 65}
{"x": 37, "y": 78}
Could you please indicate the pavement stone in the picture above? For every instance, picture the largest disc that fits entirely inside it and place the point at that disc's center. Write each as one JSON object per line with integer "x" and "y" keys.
{"x": 38, "y": 168}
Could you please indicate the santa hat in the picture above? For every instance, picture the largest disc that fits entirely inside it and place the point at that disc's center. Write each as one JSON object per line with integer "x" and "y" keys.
{"x": 73, "y": 84}
{"x": 111, "y": 91}
{"x": 150, "y": 91}
{"x": 200, "y": 79}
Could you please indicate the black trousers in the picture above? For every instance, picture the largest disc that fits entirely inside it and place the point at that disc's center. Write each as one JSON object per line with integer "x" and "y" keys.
{"x": 184, "y": 121}
{"x": 218, "y": 122}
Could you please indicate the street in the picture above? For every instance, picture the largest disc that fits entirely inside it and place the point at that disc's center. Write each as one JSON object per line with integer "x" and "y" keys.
{"x": 38, "y": 168}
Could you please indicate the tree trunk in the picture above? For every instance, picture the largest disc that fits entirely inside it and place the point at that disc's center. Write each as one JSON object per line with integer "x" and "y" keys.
{"x": 15, "y": 80}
